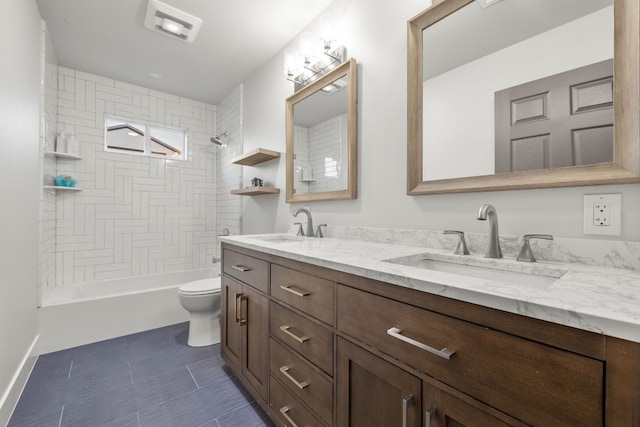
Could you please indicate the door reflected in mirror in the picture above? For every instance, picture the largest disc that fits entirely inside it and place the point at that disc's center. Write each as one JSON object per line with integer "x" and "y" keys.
{"x": 321, "y": 138}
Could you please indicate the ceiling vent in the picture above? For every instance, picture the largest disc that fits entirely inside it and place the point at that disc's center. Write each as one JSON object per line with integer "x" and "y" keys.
{"x": 171, "y": 21}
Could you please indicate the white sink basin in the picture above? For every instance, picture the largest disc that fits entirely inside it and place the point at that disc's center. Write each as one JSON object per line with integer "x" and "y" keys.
{"x": 278, "y": 238}
{"x": 479, "y": 272}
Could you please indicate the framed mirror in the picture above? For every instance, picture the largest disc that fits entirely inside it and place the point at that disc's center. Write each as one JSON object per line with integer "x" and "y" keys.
{"x": 321, "y": 135}
{"x": 511, "y": 60}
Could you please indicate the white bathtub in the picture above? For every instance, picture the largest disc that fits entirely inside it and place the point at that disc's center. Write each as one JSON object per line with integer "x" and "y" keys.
{"x": 79, "y": 314}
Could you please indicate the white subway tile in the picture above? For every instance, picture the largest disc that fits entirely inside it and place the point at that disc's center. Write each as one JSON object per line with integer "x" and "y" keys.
{"x": 132, "y": 88}
{"x": 138, "y": 215}
{"x": 104, "y": 81}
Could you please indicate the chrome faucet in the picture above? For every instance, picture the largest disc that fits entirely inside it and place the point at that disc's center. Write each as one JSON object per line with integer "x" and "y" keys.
{"x": 309, "y": 232}
{"x": 493, "y": 246}
{"x": 526, "y": 255}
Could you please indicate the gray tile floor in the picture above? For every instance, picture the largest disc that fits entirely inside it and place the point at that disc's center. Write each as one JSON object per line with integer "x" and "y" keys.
{"x": 149, "y": 379}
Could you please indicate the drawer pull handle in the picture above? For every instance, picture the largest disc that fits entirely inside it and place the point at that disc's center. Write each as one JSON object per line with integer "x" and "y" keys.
{"x": 285, "y": 329}
{"x": 289, "y": 288}
{"x": 428, "y": 414}
{"x": 284, "y": 411}
{"x": 241, "y": 268}
{"x": 239, "y": 299}
{"x": 406, "y": 402}
{"x": 444, "y": 353}
{"x": 301, "y": 385}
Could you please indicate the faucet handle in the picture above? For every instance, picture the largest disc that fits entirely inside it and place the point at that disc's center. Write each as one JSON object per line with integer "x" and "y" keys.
{"x": 300, "y": 230}
{"x": 526, "y": 255}
{"x": 319, "y": 230}
{"x": 461, "y": 248}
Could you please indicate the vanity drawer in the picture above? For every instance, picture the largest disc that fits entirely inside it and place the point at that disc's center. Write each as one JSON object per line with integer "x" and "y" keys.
{"x": 533, "y": 382}
{"x": 289, "y": 409}
{"x": 250, "y": 270}
{"x": 303, "y": 381}
{"x": 310, "y": 294}
{"x": 312, "y": 341}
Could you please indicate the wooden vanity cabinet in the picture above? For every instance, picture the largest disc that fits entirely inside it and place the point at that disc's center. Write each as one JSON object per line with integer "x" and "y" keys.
{"x": 244, "y": 332}
{"x": 302, "y": 346}
{"x": 533, "y": 382}
{"x": 373, "y": 392}
{"x": 322, "y": 347}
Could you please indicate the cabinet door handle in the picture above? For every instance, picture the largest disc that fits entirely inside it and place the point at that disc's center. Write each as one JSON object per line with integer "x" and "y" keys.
{"x": 289, "y": 288}
{"x": 444, "y": 353}
{"x": 285, "y": 329}
{"x": 241, "y": 267}
{"x": 301, "y": 385}
{"x": 428, "y": 414}
{"x": 285, "y": 413}
{"x": 406, "y": 402}
{"x": 239, "y": 299}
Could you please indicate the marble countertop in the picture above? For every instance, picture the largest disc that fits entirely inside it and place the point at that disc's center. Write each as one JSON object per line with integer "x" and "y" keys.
{"x": 597, "y": 299}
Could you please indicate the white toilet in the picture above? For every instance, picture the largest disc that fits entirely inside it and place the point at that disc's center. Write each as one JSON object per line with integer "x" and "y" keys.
{"x": 201, "y": 298}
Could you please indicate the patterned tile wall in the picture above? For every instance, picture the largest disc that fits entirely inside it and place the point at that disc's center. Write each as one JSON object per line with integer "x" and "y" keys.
{"x": 301, "y": 150}
{"x": 326, "y": 156}
{"x": 323, "y": 148}
{"x": 228, "y": 175}
{"x": 136, "y": 215}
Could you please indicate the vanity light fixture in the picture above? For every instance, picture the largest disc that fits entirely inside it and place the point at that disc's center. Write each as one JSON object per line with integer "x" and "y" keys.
{"x": 315, "y": 56}
{"x": 171, "y": 21}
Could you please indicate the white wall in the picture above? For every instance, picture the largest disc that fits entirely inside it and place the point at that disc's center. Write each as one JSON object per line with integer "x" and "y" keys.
{"x": 376, "y": 37}
{"x": 19, "y": 188}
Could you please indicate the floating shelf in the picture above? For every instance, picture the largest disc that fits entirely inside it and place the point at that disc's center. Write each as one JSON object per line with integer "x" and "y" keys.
{"x": 255, "y": 191}
{"x": 259, "y": 155}
{"x": 67, "y": 156}
{"x": 60, "y": 187}
{"x": 307, "y": 180}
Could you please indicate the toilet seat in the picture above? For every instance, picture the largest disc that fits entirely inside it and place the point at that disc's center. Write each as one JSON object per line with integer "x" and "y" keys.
{"x": 201, "y": 287}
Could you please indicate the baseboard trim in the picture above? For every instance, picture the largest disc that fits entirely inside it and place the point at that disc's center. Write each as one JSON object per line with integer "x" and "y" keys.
{"x": 19, "y": 380}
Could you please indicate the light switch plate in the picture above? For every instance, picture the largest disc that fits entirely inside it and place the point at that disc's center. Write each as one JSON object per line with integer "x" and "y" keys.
{"x": 602, "y": 214}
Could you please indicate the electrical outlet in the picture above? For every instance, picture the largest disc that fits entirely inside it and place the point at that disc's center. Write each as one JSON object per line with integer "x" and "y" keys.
{"x": 603, "y": 214}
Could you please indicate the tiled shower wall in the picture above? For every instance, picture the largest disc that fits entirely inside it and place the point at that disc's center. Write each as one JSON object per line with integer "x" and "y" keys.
{"x": 228, "y": 175}
{"x": 136, "y": 215}
{"x": 48, "y": 125}
{"x": 327, "y": 145}
{"x": 323, "y": 147}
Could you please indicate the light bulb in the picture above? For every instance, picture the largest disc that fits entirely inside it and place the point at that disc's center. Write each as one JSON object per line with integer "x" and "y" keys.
{"x": 292, "y": 62}
{"x": 327, "y": 30}
{"x": 310, "y": 46}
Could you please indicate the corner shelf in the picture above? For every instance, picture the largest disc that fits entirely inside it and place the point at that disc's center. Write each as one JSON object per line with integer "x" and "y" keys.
{"x": 66, "y": 156}
{"x": 259, "y": 155}
{"x": 60, "y": 187}
{"x": 255, "y": 191}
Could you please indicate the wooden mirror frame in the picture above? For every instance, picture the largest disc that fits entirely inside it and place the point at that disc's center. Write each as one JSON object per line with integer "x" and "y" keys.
{"x": 625, "y": 167}
{"x": 348, "y": 69}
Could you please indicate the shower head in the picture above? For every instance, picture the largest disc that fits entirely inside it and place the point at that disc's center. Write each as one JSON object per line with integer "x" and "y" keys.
{"x": 217, "y": 139}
